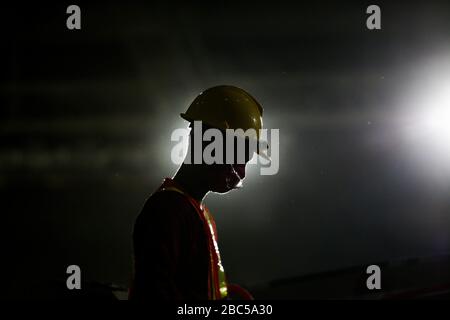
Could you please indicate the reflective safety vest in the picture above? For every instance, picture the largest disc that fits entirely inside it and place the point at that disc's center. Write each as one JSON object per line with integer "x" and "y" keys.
{"x": 217, "y": 285}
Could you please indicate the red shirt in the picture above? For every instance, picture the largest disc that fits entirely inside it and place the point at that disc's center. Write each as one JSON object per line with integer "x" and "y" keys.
{"x": 171, "y": 255}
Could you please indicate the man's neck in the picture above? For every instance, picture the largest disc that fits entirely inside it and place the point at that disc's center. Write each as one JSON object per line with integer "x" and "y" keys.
{"x": 191, "y": 182}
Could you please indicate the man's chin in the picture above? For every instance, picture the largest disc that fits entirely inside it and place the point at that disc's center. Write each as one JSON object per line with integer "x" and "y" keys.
{"x": 228, "y": 187}
{"x": 222, "y": 190}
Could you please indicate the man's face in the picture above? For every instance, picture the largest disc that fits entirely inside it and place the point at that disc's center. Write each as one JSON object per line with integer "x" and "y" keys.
{"x": 227, "y": 176}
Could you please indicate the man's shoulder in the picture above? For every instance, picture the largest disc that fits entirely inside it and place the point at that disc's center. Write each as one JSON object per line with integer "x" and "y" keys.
{"x": 167, "y": 203}
{"x": 165, "y": 216}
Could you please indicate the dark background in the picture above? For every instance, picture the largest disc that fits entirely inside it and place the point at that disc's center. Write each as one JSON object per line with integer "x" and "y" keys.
{"x": 86, "y": 118}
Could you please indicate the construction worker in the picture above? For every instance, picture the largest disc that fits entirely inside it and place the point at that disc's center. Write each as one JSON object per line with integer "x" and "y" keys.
{"x": 176, "y": 253}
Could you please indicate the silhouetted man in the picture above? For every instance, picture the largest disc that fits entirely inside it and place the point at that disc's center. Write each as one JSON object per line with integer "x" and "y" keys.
{"x": 176, "y": 254}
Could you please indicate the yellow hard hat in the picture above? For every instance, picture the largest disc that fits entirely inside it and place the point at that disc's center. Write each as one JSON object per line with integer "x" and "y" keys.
{"x": 227, "y": 107}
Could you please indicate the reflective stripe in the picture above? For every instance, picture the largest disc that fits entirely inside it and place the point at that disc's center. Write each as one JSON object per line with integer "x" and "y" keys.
{"x": 217, "y": 285}
{"x": 221, "y": 271}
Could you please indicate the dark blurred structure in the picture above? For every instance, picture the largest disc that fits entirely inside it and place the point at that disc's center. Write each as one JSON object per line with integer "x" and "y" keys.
{"x": 86, "y": 118}
{"x": 414, "y": 278}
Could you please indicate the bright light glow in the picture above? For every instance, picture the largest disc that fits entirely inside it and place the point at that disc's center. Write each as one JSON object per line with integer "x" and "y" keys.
{"x": 424, "y": 117}
{"x": 426, "y": 108}
{"x": 435, "y": 117}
